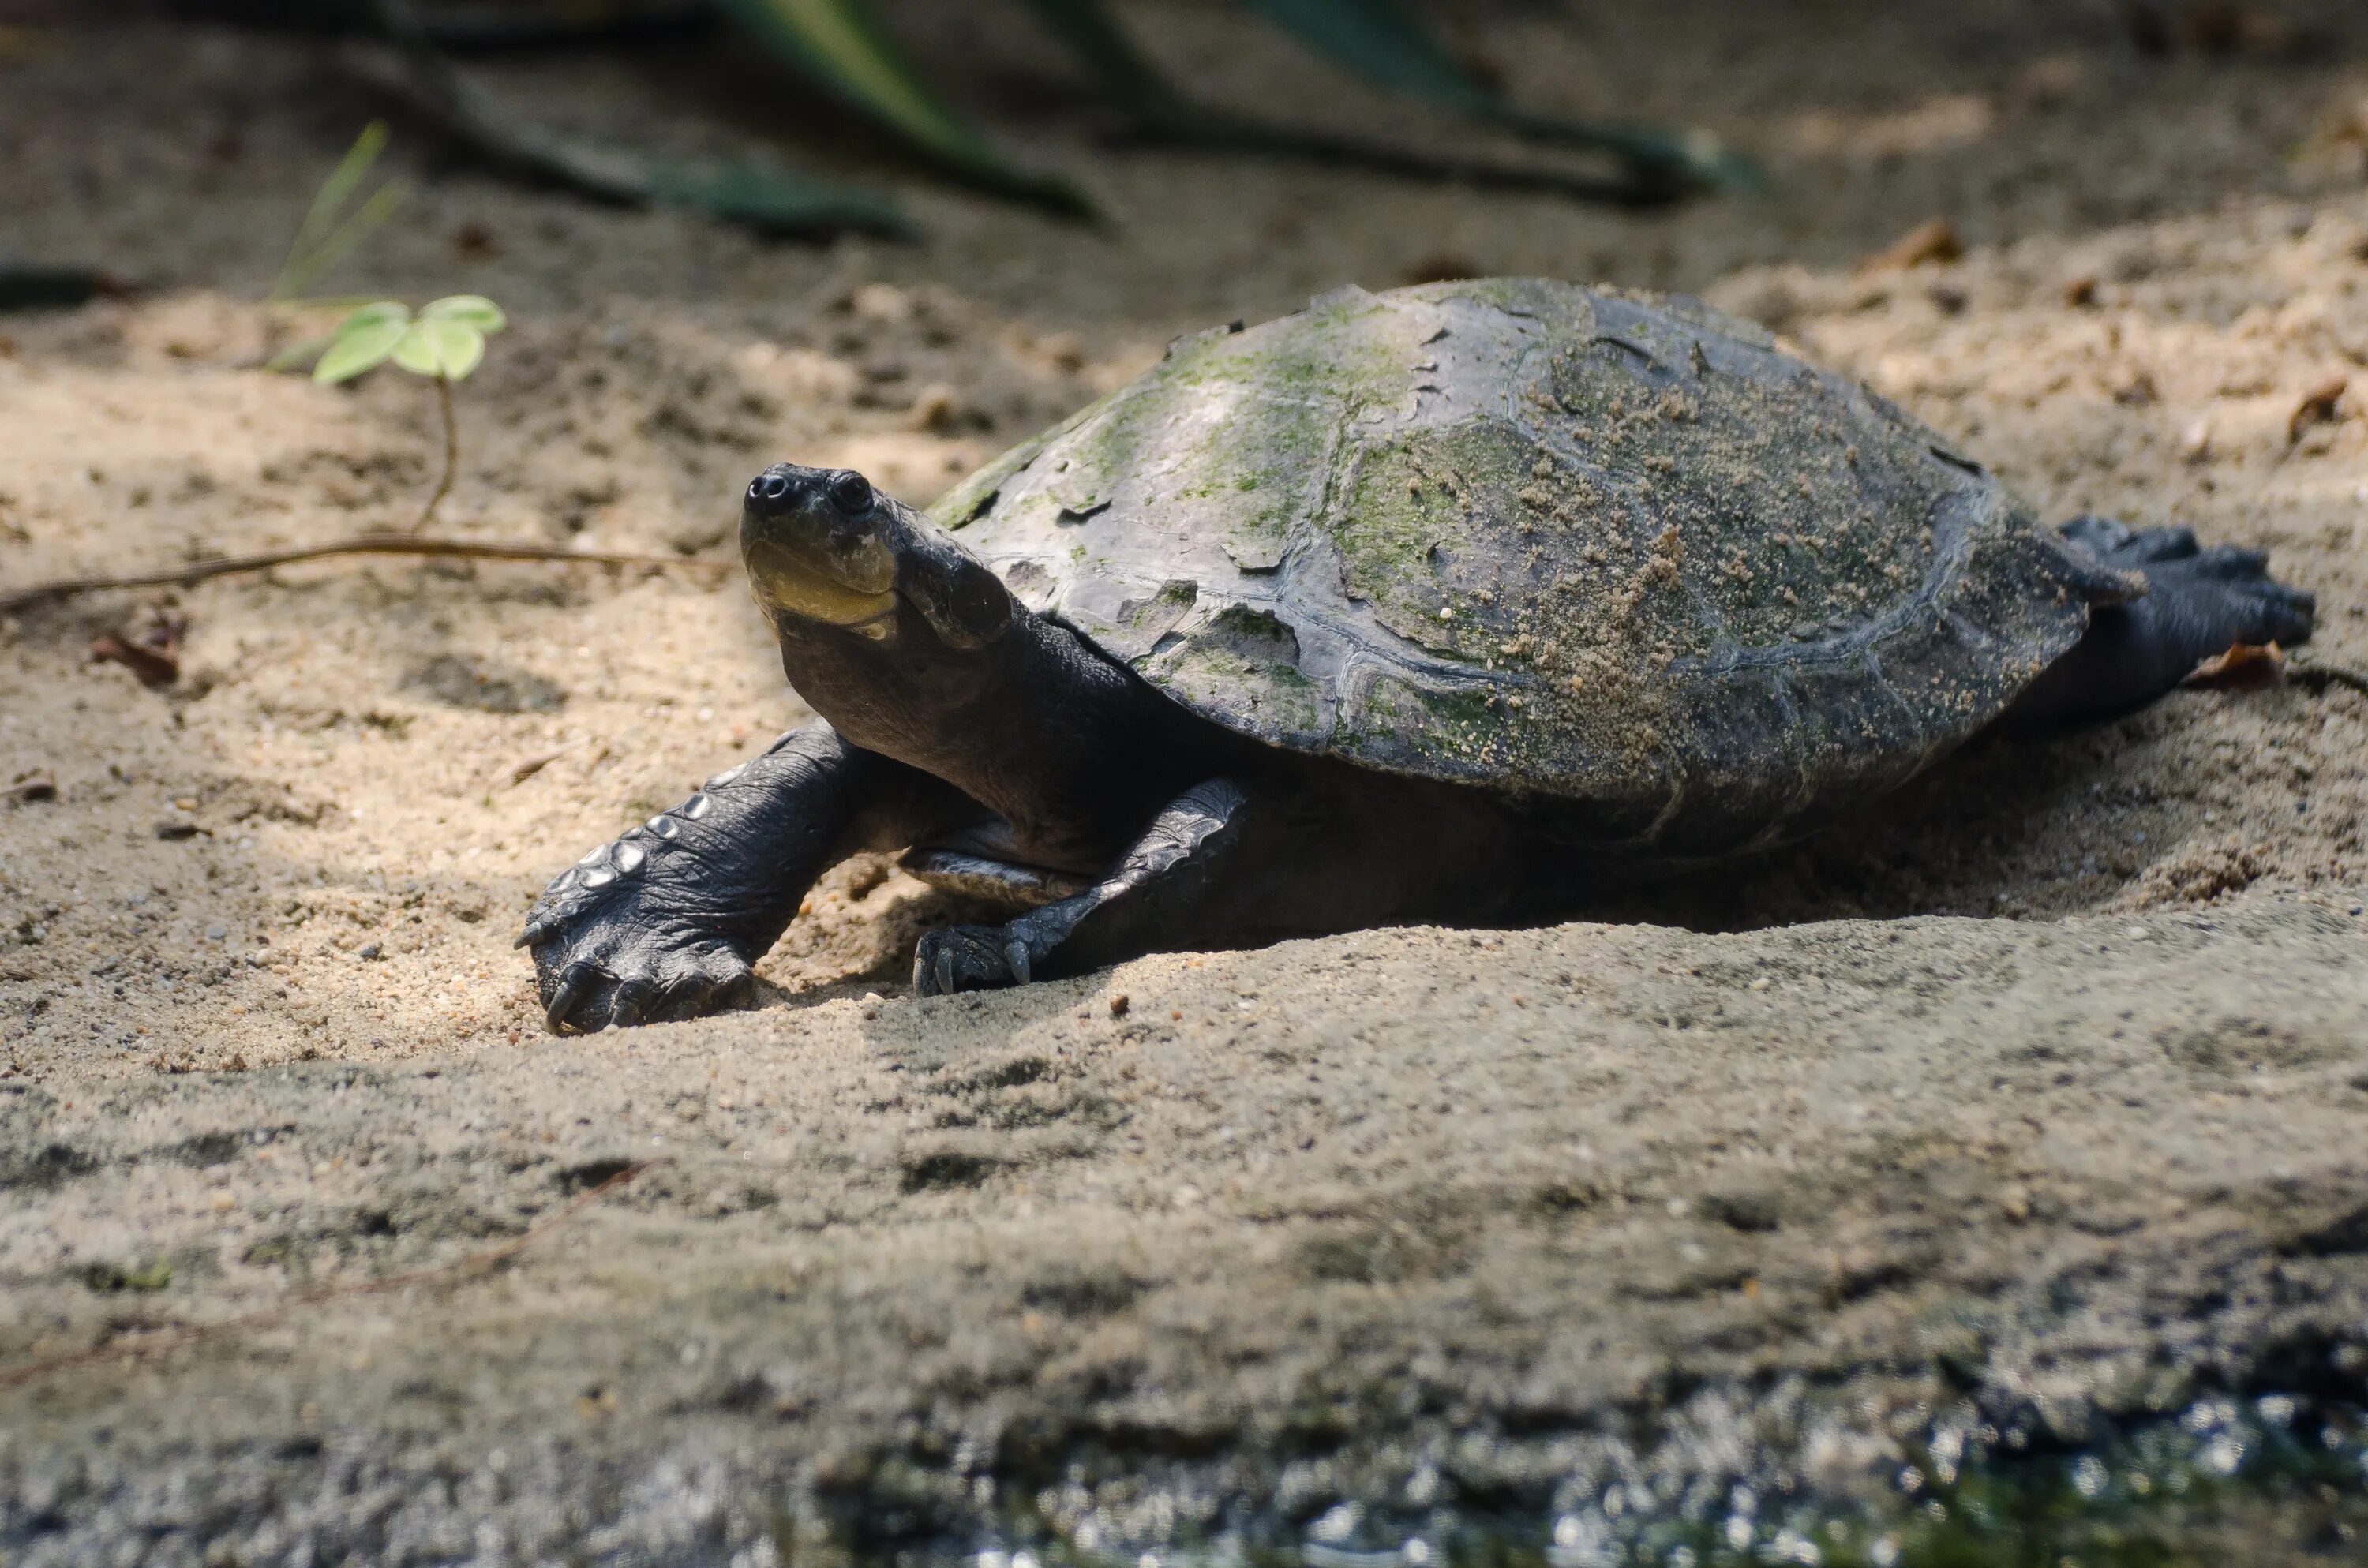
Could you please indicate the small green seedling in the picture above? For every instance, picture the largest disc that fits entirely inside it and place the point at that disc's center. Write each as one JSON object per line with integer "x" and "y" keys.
{"x": 445, "y": 341}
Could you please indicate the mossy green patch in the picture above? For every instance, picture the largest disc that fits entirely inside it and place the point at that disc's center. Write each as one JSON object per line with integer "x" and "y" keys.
{"x": 1606, "y": 547}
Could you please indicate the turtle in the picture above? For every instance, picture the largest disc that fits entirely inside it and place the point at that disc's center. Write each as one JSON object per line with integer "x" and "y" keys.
{"x": 1461, "y": 603}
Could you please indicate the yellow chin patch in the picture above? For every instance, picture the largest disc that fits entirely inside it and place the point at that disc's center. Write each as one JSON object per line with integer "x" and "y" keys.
{"x": 787, "y": 581}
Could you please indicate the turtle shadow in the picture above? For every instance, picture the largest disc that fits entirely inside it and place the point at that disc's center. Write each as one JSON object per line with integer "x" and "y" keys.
{"x": 2015, "y": 825}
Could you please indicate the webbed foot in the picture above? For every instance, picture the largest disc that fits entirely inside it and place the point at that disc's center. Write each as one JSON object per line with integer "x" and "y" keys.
{"x": 2204, "y": 596}
{"x": 2198, "y": 601}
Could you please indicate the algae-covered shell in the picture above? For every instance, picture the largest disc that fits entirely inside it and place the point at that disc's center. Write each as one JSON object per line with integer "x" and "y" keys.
{"x": 1572, "y": 542}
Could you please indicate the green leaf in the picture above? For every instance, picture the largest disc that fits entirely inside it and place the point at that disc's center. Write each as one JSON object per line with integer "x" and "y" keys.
{"x": 474, "y": 310}
{"x": 841, "y": 43}
{"x": 1127, "y": 74}
{"x": 462, "y": 349}
{"x": 447, "y": 348}
{"x": 325, "y": 238}
{"x": 342, "y": 240}
{"x": 1383, "y": 42}
{"x": 418, "y": 351}
{"x": 362, "y": 340}
{"x": 769, "y": 201}
{"x": 301, "y": 352}
{"x": 1389, "y": 44}
{"x": 761, "y": 198}
{"x": 375, "y": 311}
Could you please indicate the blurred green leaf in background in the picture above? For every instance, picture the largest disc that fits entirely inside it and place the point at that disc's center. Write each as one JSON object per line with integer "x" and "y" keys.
{"x": 330, "y": 233}
{"x": 847, "y": 51}
{"x": 842, "y": 44}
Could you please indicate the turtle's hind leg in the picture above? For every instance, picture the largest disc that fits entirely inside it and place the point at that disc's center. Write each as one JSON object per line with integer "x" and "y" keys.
{"x": 2198, "y": 601}
{"x": 1157, "y": 896}
{"x": 1254, "y": 858}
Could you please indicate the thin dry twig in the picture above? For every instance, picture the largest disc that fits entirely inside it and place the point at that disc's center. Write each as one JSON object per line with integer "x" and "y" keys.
{"x": 2305, "y": 669}
{"x": 189, "y": 1333}
{"x": 519, "y": 772}
{"x": 359, "y": 544}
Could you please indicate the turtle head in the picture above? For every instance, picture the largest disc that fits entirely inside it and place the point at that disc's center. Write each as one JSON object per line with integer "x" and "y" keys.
{"x": 824, "y": 548}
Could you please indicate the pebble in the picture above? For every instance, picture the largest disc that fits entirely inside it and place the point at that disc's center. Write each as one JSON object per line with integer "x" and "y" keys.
{"x": 368, "y": 951}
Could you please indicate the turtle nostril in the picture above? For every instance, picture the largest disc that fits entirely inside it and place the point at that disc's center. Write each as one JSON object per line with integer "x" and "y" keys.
{"x": 769, "y": 486}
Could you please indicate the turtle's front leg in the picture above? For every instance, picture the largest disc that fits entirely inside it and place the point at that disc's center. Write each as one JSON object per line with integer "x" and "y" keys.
{"x": 665, "y": 922}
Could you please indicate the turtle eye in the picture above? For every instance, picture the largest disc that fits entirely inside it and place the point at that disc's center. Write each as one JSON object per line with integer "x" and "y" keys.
{"x": 852, "y": 493}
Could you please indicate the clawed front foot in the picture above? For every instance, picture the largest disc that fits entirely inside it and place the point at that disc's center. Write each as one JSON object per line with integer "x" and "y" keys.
{"x": 665, "y": 922}
{"x": 626, "y": 976}
{"x": 633, "y": 933}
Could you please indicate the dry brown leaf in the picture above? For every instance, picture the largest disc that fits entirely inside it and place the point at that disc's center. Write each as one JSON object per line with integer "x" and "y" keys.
{"x": 150, "y": 649}
{"x": 2246, "y": 666}
{"x": 33, "y": 784}
{"x": 2317, "y": 407}
{"x": 154, "y": 666}
{"x": 1937, "y": 241}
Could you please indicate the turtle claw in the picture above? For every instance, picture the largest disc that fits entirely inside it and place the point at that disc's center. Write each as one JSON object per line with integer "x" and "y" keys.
{"x": 967, "y": 957}
{"x": 701, "y": 992}
{"x": 629, "y": 935}
{"x": 576, "y": 983}
{"x": 2232, "y": 562}
{"x": 2118, "y": 544}
{"x": 630, "y": 1004}
{"x": 587, "y": 995}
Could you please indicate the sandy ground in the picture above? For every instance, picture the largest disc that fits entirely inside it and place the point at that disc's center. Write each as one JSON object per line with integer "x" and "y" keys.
{"x": 260, "y": 1020}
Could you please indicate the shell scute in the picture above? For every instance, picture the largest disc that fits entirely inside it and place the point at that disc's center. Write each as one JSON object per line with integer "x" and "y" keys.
{"x": 1614, "y": 549}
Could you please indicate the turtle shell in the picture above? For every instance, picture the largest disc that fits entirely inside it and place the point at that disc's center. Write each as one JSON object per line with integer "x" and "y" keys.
{"x": 1617, "y": 550}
